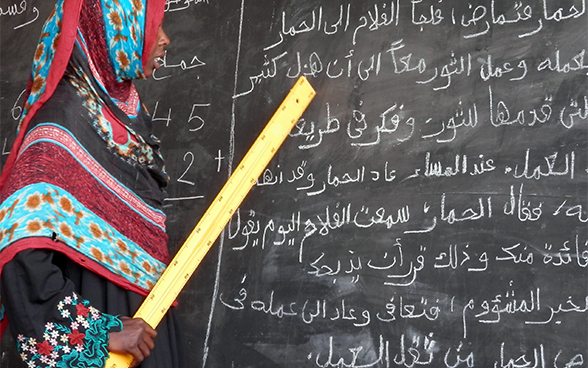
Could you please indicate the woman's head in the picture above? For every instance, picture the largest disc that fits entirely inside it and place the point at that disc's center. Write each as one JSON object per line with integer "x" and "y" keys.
{"x": 133, "y": 33}
{"x": 134, "y": 36}
{"x": 157, "y": 52}
{"x": 121, "y": 39}
{"x": 120, "y": 36}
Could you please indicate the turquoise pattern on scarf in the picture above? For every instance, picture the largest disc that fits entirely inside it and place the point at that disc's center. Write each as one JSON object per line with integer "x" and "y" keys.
{"x": 71, "y": 152}
{"x": 45, "y": 210}
{"x": 43, "y": 59}
{"x": 124, "y": 22}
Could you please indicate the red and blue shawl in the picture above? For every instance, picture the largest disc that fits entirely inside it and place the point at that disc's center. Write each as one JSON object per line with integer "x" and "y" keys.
{"x": 85, "y": 177}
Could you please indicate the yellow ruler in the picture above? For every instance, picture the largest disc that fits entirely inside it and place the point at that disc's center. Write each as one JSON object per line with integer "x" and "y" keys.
{"x": 189, "y": 256}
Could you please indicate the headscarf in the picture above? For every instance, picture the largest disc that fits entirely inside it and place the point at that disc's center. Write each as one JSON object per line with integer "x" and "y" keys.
{"x": 121, "y": 19}
{"x": 69, "y": 184}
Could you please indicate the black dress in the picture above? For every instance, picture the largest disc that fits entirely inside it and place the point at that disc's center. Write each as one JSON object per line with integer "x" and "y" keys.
{"x": 37, "y": 280}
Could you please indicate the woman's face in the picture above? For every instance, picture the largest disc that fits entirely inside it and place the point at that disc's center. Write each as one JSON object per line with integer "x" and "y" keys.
{"x": 157, "y": 52}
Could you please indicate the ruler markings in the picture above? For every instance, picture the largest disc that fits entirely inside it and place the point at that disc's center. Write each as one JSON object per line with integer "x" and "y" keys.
{"x": 210, "y": 226}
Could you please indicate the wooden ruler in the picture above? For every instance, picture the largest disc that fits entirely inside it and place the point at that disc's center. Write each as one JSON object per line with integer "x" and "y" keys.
{"x": 210, "y": 226}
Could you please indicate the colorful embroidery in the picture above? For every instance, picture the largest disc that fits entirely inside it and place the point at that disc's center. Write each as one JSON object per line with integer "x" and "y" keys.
{"x": 45, "y": 210}
{"x": 79, "y": 340}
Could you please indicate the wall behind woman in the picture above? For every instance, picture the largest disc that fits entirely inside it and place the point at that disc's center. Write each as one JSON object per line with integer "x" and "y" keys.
{"x": 429, "y": 209}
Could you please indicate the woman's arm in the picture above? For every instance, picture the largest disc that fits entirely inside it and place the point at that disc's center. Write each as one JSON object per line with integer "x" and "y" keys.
{"x": 51, "y": 322}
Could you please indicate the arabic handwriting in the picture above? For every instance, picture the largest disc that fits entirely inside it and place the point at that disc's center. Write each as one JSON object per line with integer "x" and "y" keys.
{"x": 18, "y": 9}
{"x": 431, "y": 14}
{"x": 524, "y": 210}
{"x": 469, "y": 214}
{"x": 546, "y": 168}
{"x": 179, "y": 5}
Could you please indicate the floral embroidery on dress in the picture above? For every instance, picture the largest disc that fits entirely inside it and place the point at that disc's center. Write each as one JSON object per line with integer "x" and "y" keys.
{"x": 79, "y": 339}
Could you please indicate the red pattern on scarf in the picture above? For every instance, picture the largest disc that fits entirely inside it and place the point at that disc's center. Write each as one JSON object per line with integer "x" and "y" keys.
{"x": 91, "y": 26}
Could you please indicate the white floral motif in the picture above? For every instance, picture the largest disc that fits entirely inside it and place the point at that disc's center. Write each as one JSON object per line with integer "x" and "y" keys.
{"x": 59, "y": 340}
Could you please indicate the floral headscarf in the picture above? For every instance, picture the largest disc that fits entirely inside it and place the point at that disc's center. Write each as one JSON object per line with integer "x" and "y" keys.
{"x": 124, "y": 30}
{"x": 131, "y": 28}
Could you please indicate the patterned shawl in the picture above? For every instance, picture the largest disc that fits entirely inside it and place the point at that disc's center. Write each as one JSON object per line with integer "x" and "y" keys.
{"x": 85, "y": 176}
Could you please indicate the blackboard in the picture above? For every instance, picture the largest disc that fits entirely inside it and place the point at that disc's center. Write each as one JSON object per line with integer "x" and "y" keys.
{"x": 430, "y": 207}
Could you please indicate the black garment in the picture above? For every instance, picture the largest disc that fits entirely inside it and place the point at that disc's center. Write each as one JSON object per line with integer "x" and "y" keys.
{"x": 38, "y": 279}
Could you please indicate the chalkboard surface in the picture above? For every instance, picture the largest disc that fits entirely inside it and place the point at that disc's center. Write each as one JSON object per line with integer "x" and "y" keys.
{"x": 430, "y": 207}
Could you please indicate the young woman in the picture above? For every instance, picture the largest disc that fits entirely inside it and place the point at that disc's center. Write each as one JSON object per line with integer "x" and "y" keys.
{"x": 82, "y": 234}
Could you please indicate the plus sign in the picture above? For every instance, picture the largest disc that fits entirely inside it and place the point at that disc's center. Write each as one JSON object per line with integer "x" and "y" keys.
{"x": 219, "y": 158}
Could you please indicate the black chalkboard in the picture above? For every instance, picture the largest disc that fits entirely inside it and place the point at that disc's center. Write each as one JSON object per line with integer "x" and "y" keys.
{"x": 430, "y": 207}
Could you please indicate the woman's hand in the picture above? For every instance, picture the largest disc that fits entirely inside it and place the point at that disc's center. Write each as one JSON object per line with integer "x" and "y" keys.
{"x": 135, "y": 338}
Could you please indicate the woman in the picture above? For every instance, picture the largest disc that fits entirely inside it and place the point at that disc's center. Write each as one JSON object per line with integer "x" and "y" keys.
{"x": 82, "y": 234}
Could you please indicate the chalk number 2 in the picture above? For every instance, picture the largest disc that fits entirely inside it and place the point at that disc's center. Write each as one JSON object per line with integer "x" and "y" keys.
{"x": 191, "y": 162}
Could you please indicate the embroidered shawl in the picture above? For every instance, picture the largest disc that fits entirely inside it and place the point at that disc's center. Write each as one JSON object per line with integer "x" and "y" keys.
{"x": 85, "y": 176}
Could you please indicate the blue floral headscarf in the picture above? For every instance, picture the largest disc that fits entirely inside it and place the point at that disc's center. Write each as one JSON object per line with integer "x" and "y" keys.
{"x": 130, "y": 27}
